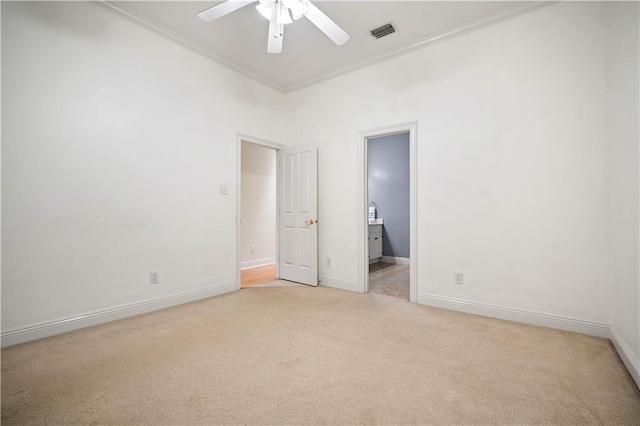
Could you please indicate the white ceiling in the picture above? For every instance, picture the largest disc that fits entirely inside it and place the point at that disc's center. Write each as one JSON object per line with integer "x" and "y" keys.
{"x": 239, "y": 39}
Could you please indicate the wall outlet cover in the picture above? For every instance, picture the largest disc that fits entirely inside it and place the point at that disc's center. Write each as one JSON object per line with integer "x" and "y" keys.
{"x": 458, "y": 278}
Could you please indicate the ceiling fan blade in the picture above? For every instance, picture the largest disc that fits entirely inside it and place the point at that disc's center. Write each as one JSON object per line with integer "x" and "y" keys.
{"x": 276, "y": 34}
{"x": 222, "y": 9}
{"x": 326, "y": 25}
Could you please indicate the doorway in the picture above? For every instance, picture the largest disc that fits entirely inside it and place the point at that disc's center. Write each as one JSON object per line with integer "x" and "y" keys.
{"x": 388, "y": 214}
{"x": 388, "y": 243}
{"x": 276, "y": 219}
{"x": 257, "y": 214}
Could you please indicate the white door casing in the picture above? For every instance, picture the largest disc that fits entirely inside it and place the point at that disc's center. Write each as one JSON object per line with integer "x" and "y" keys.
{"x": 298, "y": 213}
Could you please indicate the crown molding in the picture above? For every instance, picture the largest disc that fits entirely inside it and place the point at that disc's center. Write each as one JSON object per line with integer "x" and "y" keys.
{"x": 465, "y": 27}
{"x": 183, "y": 41}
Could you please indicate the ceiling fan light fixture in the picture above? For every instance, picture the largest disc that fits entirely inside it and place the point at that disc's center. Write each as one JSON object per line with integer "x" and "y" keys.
{"x": 297, "y": 7}
{"x": 284, "y": 9}
{"x": 283, "y": 16}
{"x": 279, "y": 13}
{"x": 264, "y": 10}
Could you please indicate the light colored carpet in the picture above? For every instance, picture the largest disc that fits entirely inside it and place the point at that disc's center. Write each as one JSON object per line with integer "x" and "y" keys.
{"x": 303, "y": 355}
{"x": 278, "y": 283}
{"x": 389, "y": 279}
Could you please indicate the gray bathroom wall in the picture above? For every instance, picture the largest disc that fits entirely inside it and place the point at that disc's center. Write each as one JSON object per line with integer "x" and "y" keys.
{"x": 388, "y": 173}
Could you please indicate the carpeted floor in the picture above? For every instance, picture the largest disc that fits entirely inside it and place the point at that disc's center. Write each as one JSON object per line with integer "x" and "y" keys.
{"x": 389, "y": 279}
{"x": 303, "y": 355}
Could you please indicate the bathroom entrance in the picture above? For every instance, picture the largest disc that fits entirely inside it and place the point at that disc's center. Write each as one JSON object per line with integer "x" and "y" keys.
{"x": 389, "y": 202}
{"x": 388, "y": 215}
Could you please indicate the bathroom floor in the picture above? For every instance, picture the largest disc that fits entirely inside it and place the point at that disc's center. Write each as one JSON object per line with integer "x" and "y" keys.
{"x": 389, "y": 279}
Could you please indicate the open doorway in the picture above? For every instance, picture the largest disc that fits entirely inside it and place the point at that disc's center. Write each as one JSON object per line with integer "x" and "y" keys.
{"x": 258, "y": 206}
{"x": 388, "y": 213}
{"x": 388, "y": 232}
{"x": 276, "y": 200}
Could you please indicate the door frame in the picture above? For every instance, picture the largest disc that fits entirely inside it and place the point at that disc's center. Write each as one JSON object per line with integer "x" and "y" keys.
{"x": 363, "y": 205}
{"x": 240, "y": 137}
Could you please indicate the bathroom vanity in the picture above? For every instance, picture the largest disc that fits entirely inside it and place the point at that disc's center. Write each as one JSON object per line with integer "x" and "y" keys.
{"x": 375, "y": 240}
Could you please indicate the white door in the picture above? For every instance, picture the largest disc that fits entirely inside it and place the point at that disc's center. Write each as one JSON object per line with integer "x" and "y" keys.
{"x": 298, "y": 213}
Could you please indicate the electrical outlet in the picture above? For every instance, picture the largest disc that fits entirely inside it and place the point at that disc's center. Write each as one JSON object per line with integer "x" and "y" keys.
{"x": 223, "y": 189}
{"x": 459, "y": 278}
{"x": 252, "y": 249}
{"x": 329, "y": 262}
{"x": 154, "y": 278}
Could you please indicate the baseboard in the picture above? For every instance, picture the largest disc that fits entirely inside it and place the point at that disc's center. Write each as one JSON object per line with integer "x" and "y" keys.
{"x": 396, "y": 260}
{"x": 517, "y": 315}
{"x": 50, "y": 328}
{"x": 542, "y": 320}
{"x": 255, "y": 263}
{"x": 339, "y": 284}
{"x": 626, "y": 355}
{"x": 372, "y": 261}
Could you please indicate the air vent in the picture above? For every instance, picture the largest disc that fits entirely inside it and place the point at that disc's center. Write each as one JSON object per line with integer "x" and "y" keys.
{"x": 384, "y": 30}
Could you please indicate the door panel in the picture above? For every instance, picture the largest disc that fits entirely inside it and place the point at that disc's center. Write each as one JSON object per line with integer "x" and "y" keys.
{"x": 297, "y": 212}
{"x": 287, "y": 251}
{"x": 304, "y": 248}
{"x": 287, "y": 188}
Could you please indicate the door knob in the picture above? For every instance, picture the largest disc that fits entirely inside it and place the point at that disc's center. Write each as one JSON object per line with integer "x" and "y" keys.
{"x": 310, "y": 222}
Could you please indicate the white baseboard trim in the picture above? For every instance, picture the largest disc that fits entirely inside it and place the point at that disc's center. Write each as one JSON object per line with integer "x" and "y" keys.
{"x": 339, "y": 284}
{"x": 517, "y": 315}
{"x": 50, "y": 328}
{"x": 396, "y": 260}
{"x": 626, "y": 355}
{"x": 255, "y": 263}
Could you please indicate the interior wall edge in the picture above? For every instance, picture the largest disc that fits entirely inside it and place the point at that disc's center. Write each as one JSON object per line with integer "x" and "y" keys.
{"x": 626, "y": 355}
{"x": 63, "y": 325}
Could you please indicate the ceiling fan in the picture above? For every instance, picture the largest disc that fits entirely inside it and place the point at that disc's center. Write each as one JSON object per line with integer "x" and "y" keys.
{"x": 279, "y": 13}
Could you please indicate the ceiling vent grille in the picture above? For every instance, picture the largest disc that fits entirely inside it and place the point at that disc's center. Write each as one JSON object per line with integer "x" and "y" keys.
{"x": 382, "y": 31}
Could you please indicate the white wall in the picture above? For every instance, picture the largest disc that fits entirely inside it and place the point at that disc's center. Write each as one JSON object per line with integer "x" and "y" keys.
{"x": 623, "y": 136}
{"x": 258, "y": 208}
{"x": 511, "y": 190}
{"x": 114, "y": 143}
